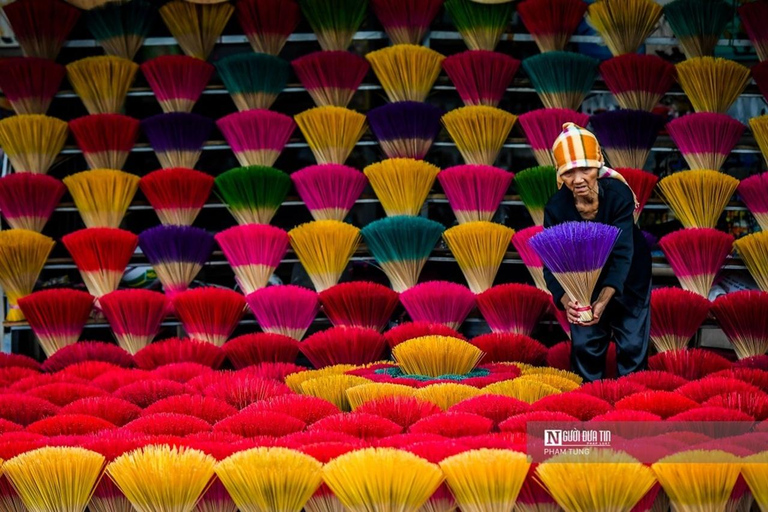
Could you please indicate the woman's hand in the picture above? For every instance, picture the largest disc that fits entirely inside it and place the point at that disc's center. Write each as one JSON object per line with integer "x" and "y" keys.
{"x": 599, "y": 305}
{"x": 572, "y": 310}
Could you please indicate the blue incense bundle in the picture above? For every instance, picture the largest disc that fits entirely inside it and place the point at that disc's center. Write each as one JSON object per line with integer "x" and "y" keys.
{"x": 627, "y": 136}
{"x": 177, "y": 253}
{"x": 575, "y": 253}
{"x": 405, "y": 129}
{"x": 177, "y": 137}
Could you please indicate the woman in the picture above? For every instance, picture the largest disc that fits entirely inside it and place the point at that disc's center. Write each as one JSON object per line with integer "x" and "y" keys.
{"x": 620, "y": 304}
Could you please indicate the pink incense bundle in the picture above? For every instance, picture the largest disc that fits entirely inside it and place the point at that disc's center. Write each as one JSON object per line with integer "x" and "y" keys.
{"x": 254, "y": 251}
{"x": 742, "y": 317}
{"x": 406, "y": 22}
{"x": 359, "y": 304}
{"x": 505, "y": 347}
{"x": 27, "y": 200}
{"x": 753, "y": 16}
{"x": 754, "y": 193}
{"x": 543, "y": 126}
{"x": 343, "y": 345}
{"x": 481, "y": 77}
{"x": 696, "y": 256}
{"x": 329, "y": 190}
{"x": 177, "y": 195}
{"x": 106, "y": 140}
{"x": 705, "y": 139}
{"x": 209, "y": 314}
{"x": 513, "y": 307}
{"x": 474, "y": 191}
{"x": 177, "y": 80}
{"x": 676, "y": 316}
{"x": 439, "y": 302}
{"x": 410, "y": 330}
{"x": 638, "y": 82}
{"x": 331, "y": 78}
{"x": 268, "y": 23}
{"x": 760, "y": 76}
{"x": 134, "y": 316}
{"x": 642, "y": 184}
{"x": 530, "y": 257}
{"x": 57, "y": 316}
{"x": 257, "y": 137}
{"x": 101, "y": 256}
{"x": 285, "y": 309}
{"x": 264, "y": 347}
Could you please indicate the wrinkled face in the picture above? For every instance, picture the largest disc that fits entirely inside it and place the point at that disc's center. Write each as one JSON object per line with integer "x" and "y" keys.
{"x": 582, "y": 181}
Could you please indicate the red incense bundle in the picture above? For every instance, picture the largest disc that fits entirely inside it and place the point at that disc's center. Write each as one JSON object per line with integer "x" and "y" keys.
{"x": 343, "y": 345}
{"x": 676, "y": 315}
{"x": 513, "y": 307}
{"x": 410, "y": 330}
{"x": 27, "y": 200}
{"x": 438, "y": 302}
{"x": 642, "y": 184}
{"x": 178, "y": 81}
{"x": 529, "y": 256}
{"x": 177, "y": 194}
{"x": 331, "y": 78}
{"x": 481, "y": 77}
{"x": 741, "y": 316}
{"x": 268, "y": 23}
{"x": 406, "y": 22}
{"x": 41, "y": 26}
{"x": 264, "y": 347}
{"x": 638, "y": 82}
{"x": 30, "y": 83}
{"x": 134, "y": 316}
{"x": 105, "y": 139}
{"x": 209, "y": 314}
{"x": 359, "y": 304}
{"x": 57, "y": 316}
{"x": 551, "y": 22}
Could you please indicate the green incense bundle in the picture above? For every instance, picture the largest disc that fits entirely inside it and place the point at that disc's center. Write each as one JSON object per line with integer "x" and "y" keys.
{"x": 561, "y": 79}
{"x": 253, "y": 194}
{"x": 480, "y": 25}
{"x": 334, "y": 21}
{"x": 698, "y": 24}
{"x": 121, "y": 27}
{"x": 254, "y": 80}
{"x": 535, "y": 186}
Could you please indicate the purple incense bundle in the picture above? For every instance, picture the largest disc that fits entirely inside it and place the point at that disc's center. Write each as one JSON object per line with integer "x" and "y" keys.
{"x": 627, "y": 136}
{"x": 543, "y": 126}
{"x": 329, "y": 190}
{"x": 705, "y": 138}
{"x": 575, "y": 253}
{"x": 257, "y": 137}
{"x": 177, "y": 253}
{"x": 178, "y": 137}
{"x": 405, "y": 129}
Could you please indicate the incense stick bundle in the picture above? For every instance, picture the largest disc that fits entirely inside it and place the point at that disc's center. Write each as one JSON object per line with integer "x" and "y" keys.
{"x": 22, "y": 256}
{"x": 759, "y": 127}
{"x": 531, "y": 260}
{"x": 751, "y": 15}
{"x": 405, "y": 129}
{"x": 254, "y": 251}
{"x": 254, "y": 80}
{"x": 705, "y": 139}
{"x": 102, "y": 83}
{"x": 406, "y": 22}
{"x": 362, "y": 304}
{"x": 331, "y": 78}
{"x": 134, "y": 316}
{"x": 712, "y": 84}
{"x": 331, "y": 132}
{"x": 106, "y": 140}
{"x": 178, "y": 81}
{"x": 479, "y": 248}
{"x": 754, "y": 193}
{"x": 642, "y": 184}
{"x": 739, "y": 315}
{"x": 120, "y": 28}
{"x": 196, "y": 27}
{"x": 542, "y": 127}
{"x": 335, "y": 22}
{"x": 698, "y": 26}
{"x": 561, "y": 79}
{"x": 56, "y": 316}
{"x": 30, "y": 83}
{"x": 257, "y": 137}
{"x": 438, "y": 302}
{"x": 208, "y": 313}
{"x": 676, "y": 316}
{"x": 32, "y": 142}
{"x": 407, "y": 72}
{"x": 624, "y": 24}
{"x": 535, "y": 186}
{"x": 638, "y": 82}
{"x": 753, "y": 249}
{"x": 401, "y": 184}
{"x": 177, "y": 195}
{"x": 474, "y": 191}
{"x": 627, "y": 136}
{"x": 698, "y": 197}
{"x": 253, "y": 194}
{"x": 696, "y": 256}
{"x": 288, "y": 309}
{"x": 324, "y": 248}
{"x": 480, "y": 26}
{"x": 177, "y": 138}
{"x": 551, "y": 22}
{"x": 27, "y": 200}
{"x": 479, "y": 132}
{"x": 102, "y": 196}
{"x": 41, "y": 26}
{"x": 329, "y": 190}
{"x": 433, "y": 356}
{"x": 268, "y": 23}
{"x": 481, "y": 77}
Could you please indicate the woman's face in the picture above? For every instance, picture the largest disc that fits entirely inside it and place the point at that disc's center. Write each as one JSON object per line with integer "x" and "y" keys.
{"x": 582, "y": 181}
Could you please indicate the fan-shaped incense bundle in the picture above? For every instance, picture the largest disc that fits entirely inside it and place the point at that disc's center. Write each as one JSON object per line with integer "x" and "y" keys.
{"x": 120, "y": 28}
{"x": 479, "y": 248}
{"x": 134, "y": 316}
{"x": 638, "y": 82}
{"x": 270, "y": 479}
{"x": 329, "y": 190}
{"x": 30, "y": 83}
{"x": 55, "y": 478}
{"x": 41, "y": 26}
{"x": 401, "y": 246}
{"x": 102, "y": 196}
{"x": 254, "y": 251}
{"x": 624, "y": 24}
{"x": 162, "y": 477}
{"x": 331, "y": 78}
{"x": 698, "y": 197}
{"x": 535, "y": 186}
{"x": 101, "y": 256}
{"x": 406, "y": 22}
{"x": 530, "y": 259}
{"x": 479, "y": 132}
{"x": 361, "y": 304}
{"x": 331, "y": 132}
{"x": 627, "y": 136}
{"x": 753, "y": 249}
{"x": 642, "y": 184}
{"x": 754, "y": 192}
{"x": 253, "y": 80}
{"x": 22, "y": 256}
{"x": 438, "y": 302}
{"x": 178, "y": 81}
{"x": 106, "y": 140}
{"x": 177, "y": 195}
{"x": 102, "y": 83}
{"x": 712, "y": 84}
{"x": 544, "y": 125}
{"x": 268, "y": 23}
{"x": 603, "y": 479}
{"x": 705, "y": 139}
{"x": 331, "y": 386}
{"x": 27, "y": 200}
{"x": 481, "y": 77}
{"x": 698, "y": 26}
{"x": 324, "y": 248}
{"x": 334, "y": 22}
{"x": 56, "y": 316}
{"x": 513, "y": 307}
{"x": 343, "y": 345}
{"x": 405, "y": 129}
{"x": 256, "y": 136}
{"x": 751, "y": 15}
{"x": 551, "y": 22}
{"x": 676, "y": 316}
{"x": 696, "y": 256}
{"x": 196, "y": 27}
{"x": 288, "y": 309}
{"x": 253, "y": 194}
{"x": 474, "y": 191}
{"x": 575, "y": 253}
{"x": 740, "y": 316}
{"x": 209, "y": 313}
{"x": 480, "y": 26}
{"x": 447, "y": 394}
{"x": 177, "y": 138}
{"x": 407, "y": 72}
{"x": 759, "y": 127}
{"x": 176, "y": 253}
{"x": 32, "y": 142}
{"x": 561, "y": 79}
{"x": 401, "y": 184}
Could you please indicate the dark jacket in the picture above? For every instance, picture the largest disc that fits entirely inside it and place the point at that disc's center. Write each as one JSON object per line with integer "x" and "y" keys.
{"x": 628, "y": 268}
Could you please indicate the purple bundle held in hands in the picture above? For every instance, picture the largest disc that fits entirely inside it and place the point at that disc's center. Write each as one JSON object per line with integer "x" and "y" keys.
{"x": 575, "y": 253}
{"x": 177, "y": 138}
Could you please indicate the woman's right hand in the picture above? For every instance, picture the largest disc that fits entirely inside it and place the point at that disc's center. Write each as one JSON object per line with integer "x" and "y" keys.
{"x": 572, "y": 310}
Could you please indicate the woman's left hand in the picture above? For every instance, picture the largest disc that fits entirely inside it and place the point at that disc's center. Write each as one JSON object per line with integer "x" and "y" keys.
{"x": 598, "y": 307}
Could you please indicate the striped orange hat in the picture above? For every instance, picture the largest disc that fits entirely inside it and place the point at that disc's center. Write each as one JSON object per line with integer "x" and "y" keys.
{"x": 576, "y": 147}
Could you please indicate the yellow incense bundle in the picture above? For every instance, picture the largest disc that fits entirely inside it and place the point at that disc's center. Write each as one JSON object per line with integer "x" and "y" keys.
{"x": 102, "y": 196}
{"x": 447, "y": 394}
{"x": 195, "y": 26}
{"x": 22, "y": 256}
{"x": 324, "y": 248}
{"x": 407, "y": 72}
{"x": 32, "y": 142}
{"x": 102, "y": 82}
{"x": 479, "y": 132}
{"x": 331, "y": 132}
{"x": 359, "y": 395}
{"x": 712, "y": 84}
{"x": 698, "y": 197}
{"x": 437, "y": 355}
{"x": 401, "y": 184}
{"x": 624, "y": 24}
{"x": 527, "y": 390}
{"x": 479, "y": 248}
